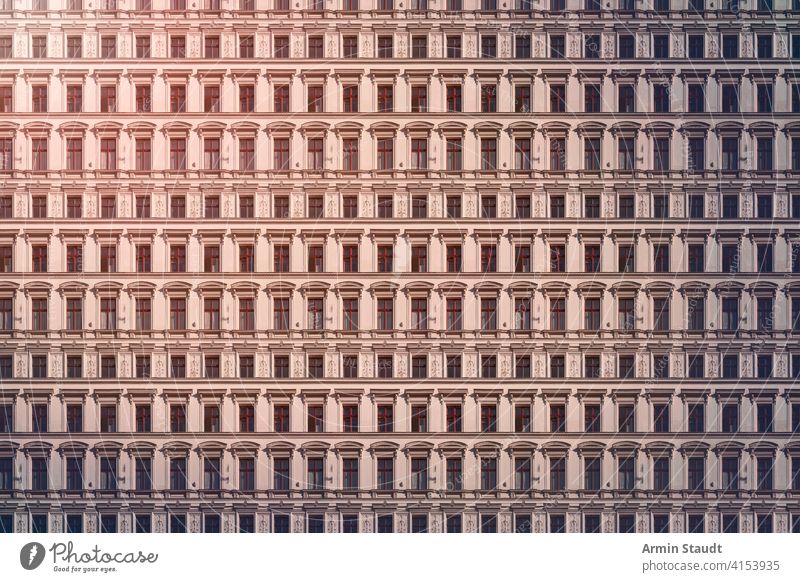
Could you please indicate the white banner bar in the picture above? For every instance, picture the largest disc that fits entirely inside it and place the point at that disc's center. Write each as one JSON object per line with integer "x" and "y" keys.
{"x": 399, "y": 557}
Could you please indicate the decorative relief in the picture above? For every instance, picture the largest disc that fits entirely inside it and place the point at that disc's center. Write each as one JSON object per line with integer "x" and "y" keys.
{"x": 366, "y": 206}
{"x": 56, "y": 525}
{"x": 713, "y": 370}
{"x": 747, "y": 47}
{"x": 608, "y": 46}
{"x": 366, "y": 524}
{"x": 436, "y": 524}
{"x": 55, "y": 365}
{"x": 160, "y": 367}
{"x": 436, "y": 366}
{"x": 643, "y": 50}
{"x": 472, "y": 524}
{"x": 263, "y": 365}
{"x": 505, "y": 48}
{"x": 435, "y": 54}
{"x": 713, "y": 47}
{"x": 712, "y": 207}
{"x": 505, "y": 207}
{"x": 713, "y": 523}
{"x": 782, "y": 50}
{"x": 505, "y": 367}
{"x": 22, "y": 47}
{"x": 538, "y": 47}
{"x": 366, "y": 365}
{"x": 677, "y": 47}
{"x": 747, "y": 366}
{"x": 401, "y": 366}
{"x": 747, "y": 205}
{"x": 747, "y": 523}
{"x": 505, "y": 523}
{"x": 574, "y": 47}
{"x": 677, "y": 524}
{"x": 677, "y": 366}
{"x": 298, "y": 365}
{"x": 470, "y": 53}
{"x": 642, "y": 525}
{"x": 194, "y": 47}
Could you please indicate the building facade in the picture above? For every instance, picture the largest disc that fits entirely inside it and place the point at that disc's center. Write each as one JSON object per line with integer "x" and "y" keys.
{"x": 383, "y": 266}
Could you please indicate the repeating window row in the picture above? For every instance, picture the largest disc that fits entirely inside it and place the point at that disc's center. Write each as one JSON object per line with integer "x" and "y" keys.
{"x": 519, "y": 204}
{"x": 277, "y": 521}
{"x": 555, "y": 43}
{"x": 728, "y": 468}
{"x": 591, "y": 148}
{"x": 693, "y": 91}
{"x": 728, "y": 411}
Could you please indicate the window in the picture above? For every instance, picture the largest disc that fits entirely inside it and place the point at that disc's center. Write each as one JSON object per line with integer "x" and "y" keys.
{"x": 419, "y": 473}
{"x": 246, "y": 44}
{"x": 557, "y": 313}
{"x": 385, "y": 47}
{"x": 591, "y": 46}
{"x": 558, "y": 99}
{"x": 280, "y": 47}
{"x": 419, "y": 47}
{"x": 453, "y": 308}
{"x": 661, "y": 98}
{"x": 108, "y": 418}
{"x": 488, "y": 47}
{"x": 453, "y": 47}
{"x": 419, "y": 366}
{"x": 764, "y": 46}
{"x": 592, "y": 102}
{"x": 626, "y": 258}
{"x": 626, "y": 102}
{"x": 661, "y": 159}
{"x": 626, "y": 475}
{"x": 350, "y": 98}
{"x": 522, "y": 313}
{"x": 591, "y": 476}
{"x": 39, "y": 478}
{"x": 385, "y": 99}
{"x": 419, "y": 206}
{"x": 489, "y": 473}
{"x": 730, "y": 418}
{"x": 558, "y": 44}
{"x": 419, "y": 259}
{"x": 488, "y": 258}
{"x": 39, "y": 47}
{"x": 557, "y": 258}
{"x": 280, "y": 99}
{"x": 591, "y": 149}
{"x": 592, "y": 417}
{"x": 558, "y": 162}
